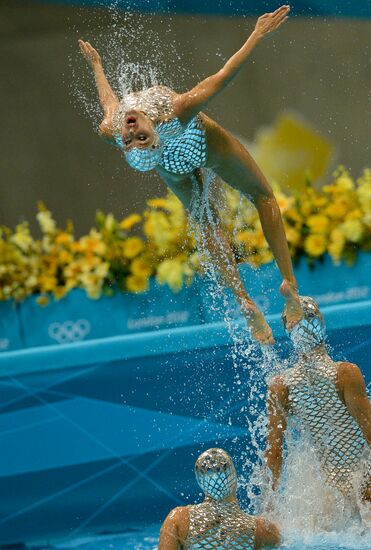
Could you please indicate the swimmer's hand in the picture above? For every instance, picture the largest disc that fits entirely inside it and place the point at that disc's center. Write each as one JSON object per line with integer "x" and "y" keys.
{"x": 270, "y": 22}
{"x": 91, "y": 55}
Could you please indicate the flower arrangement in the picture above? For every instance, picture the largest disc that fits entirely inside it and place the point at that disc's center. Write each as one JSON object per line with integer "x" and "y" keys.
{"x": 123, "y": 255}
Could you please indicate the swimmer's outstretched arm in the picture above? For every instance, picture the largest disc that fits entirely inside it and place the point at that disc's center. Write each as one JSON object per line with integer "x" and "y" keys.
{"x": 277, "y": 405}
{"x": 187, "y": 105}
{"x": 108, "y": 99}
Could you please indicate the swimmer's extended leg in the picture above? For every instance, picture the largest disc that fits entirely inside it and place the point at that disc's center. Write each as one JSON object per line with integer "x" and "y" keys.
{"x": 231, "y": 161}
{"x": 222, "y": 255}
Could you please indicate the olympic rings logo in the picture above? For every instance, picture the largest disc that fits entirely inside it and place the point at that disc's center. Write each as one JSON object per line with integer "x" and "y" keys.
{"x": 69, "y": 331}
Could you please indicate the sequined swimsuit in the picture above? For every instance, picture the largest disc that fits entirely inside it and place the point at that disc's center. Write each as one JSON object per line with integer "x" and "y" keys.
{"x": 183, "y": 147}
{"x": 338, "y": 440}
{"x": 215, "y": 525}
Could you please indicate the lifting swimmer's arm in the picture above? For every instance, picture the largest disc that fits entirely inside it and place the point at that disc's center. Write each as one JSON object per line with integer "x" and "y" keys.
{"x": 108, "y": 100}
{"x": 174, "y": 530}
{"x": 187, "y": 105}
{"x": 353, "y": 388}
{"x": 277, "y": 405}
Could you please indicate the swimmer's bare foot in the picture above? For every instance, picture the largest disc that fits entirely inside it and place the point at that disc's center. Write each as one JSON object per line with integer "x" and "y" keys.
{"x": 294, "y": 311}
{"x": 259, "y": 327}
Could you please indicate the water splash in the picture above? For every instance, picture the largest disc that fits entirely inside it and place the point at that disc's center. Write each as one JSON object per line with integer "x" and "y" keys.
{"x": 252, "y": 364}
{"x": 134, "y": 54}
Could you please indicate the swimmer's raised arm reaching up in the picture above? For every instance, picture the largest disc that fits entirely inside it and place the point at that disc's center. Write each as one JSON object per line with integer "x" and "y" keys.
{"x": 189, "y": 104}
{"x": 159, "y": 129}
{"x": 108, "y": 99}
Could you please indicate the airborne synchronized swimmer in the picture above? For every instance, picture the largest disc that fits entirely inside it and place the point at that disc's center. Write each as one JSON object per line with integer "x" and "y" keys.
{"x": 160, "y": 129}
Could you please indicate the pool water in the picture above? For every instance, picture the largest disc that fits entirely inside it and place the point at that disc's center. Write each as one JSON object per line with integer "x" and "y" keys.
{"x": 148, "y": 540}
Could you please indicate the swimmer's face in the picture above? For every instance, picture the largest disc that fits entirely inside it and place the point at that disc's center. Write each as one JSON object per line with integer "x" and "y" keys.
{"x": 137, "y": 131}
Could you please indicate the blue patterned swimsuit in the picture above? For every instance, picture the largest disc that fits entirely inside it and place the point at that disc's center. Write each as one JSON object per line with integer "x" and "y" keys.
{"x": 182, "y": 148}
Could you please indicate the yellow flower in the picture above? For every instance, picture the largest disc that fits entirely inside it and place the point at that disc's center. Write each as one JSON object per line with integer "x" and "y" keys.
{"x": 60, "y": 291}
{"x": 293, "y": 235}
{"x": 132, "y": 247}
{"x": 194, "y": 261}
{"x": 337, "y": 209}
{"x": 243, "y": 237}
{"x": 42, "y": 300}
{"x": 140, "y": 267}
{"x": 46, "y": 222}
{"x": 353, "y": 230}
{"x": 306, "y": 208}
{"x": 294, "y": 215}
{"x": 130, "y": 221}
{"x": 315, "y": 245}
{"x": 92, "y": 284}
{"x": 91, "y": 243}
{"x": 136, "y": 283}
{"x": 63, "y": 238}
{"x": 336, "y": 244}
{"x": 22, "y": 238}
{"x": 101, "y": 270}
{"x": 158, "y": 228}
{"x": 319, "y": 201}
{"x": 318, "y": 223}
{"x": 344, "y": 183}
{"x": 110, "y": 222}
{"x": 158, "y": 203}
{"x": 172, "y": 272}
{"x": 65, "y": 257}
{"x": 73, "y": 270}
{"x": 284, "y": 202}
{"x": 47, "y": 282}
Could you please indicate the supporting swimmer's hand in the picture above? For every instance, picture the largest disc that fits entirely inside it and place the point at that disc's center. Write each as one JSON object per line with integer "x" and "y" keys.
{"x": 269, "y": 22}
{"x": 91, "y": 55}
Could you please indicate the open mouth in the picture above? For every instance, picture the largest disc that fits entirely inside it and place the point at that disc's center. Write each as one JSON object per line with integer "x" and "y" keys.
{"x": 131, "y": 119}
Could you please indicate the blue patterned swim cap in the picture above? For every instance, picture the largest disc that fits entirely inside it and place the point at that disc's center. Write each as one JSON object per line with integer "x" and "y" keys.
{"x": 310, "y": 332}
{"x": 216, "y": 474}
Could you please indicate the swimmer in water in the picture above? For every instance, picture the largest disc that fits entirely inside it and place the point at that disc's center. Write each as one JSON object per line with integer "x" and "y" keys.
{"x": 328, "y": 402}
{"x": 160, "y": 129}
{"x": 218, "y": 522}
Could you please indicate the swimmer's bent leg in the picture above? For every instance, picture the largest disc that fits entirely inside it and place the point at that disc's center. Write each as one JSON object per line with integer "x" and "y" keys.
{"x": 221, "y": 253}
{"x": 231, "y": 161}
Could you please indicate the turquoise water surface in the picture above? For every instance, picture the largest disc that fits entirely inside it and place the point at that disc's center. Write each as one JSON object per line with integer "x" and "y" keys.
{"x": 148, "y": 540}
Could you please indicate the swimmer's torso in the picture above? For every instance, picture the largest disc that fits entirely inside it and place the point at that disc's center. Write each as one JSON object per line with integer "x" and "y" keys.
{"x": 220, "y": 526}
{"x": 183, "y": 147}
{"x": 314, "y": 401}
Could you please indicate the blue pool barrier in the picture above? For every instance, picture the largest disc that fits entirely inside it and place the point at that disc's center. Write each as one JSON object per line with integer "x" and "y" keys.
{"x": 78, "y": 318}
{"x": 102, "y": 435}
{"x": 10, "y": 327}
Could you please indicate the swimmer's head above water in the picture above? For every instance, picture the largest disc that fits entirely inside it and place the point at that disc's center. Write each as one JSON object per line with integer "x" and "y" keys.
{"x": 216, "y": 474}
{"x": 310, "y": 332}
{"x": 140, "y": 141}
